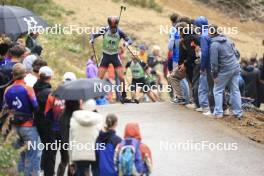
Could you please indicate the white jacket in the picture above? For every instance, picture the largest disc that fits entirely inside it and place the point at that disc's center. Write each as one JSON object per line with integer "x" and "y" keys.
{"x": 84, "y": 129}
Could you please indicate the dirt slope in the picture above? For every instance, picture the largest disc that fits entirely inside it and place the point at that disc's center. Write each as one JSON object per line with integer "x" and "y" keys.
{"x": 144, "y": 24}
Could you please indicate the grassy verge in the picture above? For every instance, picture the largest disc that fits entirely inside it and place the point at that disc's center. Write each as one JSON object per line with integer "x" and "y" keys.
{"x": 8, "y": 158}
{"x": 150, "y": 4}
{"x": 62, "y": 52}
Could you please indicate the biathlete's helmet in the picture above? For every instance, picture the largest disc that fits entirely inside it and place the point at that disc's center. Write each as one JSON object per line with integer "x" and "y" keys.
{"x": 201, "y": 21}
{"x": 113, "y": 21}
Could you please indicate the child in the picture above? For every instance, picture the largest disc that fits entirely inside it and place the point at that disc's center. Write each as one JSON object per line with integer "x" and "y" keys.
{"x": 83, "y": 132}
{"x": 109, "y": 139}
{"x": 91, "y": 68}
{"x": 132, "y": 157}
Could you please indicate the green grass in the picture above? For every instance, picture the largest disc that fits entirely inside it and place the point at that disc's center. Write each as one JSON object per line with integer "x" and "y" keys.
{"x": 8, "y": 157}
{"x": 150, "y": 4}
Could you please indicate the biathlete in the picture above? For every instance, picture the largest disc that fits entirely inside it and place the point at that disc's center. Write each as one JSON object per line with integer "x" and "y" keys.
{"x": 112, "y": 36}
{"x": 138, "y": 69}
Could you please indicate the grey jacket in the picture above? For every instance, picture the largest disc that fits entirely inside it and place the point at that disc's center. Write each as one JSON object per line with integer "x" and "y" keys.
{"x": 223, "y": 55}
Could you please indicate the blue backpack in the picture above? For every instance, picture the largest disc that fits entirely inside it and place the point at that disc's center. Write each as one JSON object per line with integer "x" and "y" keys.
{"x": 130, "y": 161}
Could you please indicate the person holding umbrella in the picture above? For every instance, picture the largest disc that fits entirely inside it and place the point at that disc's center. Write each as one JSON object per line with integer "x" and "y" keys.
{"x": 112, "y": 36}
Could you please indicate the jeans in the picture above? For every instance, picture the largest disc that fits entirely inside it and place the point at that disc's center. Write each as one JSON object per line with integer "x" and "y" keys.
{"x": 230, "y": 79}
{"x": 29, "y": 162}
{"x": 83, "y": 167}
{"x": 186, "y": 90}
{"x": 195, "y": 85}
{"x": 203, "y": 91}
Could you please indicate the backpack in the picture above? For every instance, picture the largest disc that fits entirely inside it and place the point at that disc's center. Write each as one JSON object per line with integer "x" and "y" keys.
{"x": 130, "y": 161}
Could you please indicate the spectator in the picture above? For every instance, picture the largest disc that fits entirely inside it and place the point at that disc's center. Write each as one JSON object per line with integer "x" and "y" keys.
{"x": 32, "y": 43}
{"x": 84, "y": 128}
{"x": 21, "y": 100}
{"x": 189, "y": 54}
{"x": 143, "y": 158}
{"x": 143, "y": 55}
{"x": 69, "y": 76}
{"x": 31, "y": 77}
{"x": 225, "y": 71}
{"x": 173, "y": 44}
{"x": 5, "y": 45}
{"x": 251, "y": 76}
{"x": 91, "y": 68}
{"x": 42, "y": 89}
{"x": 155, "y": 58}
{"x": 176, "y": 78}
{"x": 205, "y": 89}
{"x": 37, "y": 64}
{"x": 109, "y": 139}
{"x": 53, "y": 112}
{"x": 17, "y": 54}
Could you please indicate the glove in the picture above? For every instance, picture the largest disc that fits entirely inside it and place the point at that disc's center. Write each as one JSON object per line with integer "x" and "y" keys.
{"x": 91, "y": 41}
{"x": 174, "y": 64}
{"x": 124, "y": 95}
{"x": 126, "y": 44}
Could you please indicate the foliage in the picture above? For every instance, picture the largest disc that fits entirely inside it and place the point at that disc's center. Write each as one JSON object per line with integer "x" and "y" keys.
{"x": 8, "y": 156}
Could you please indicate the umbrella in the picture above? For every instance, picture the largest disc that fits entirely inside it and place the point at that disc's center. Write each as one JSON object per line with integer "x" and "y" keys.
{"x": 83, "y": 89}
{"x": 15, "y": 21}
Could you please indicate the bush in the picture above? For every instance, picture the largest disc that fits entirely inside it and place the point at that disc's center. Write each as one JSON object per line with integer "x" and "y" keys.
{"x": 8, "y": 157}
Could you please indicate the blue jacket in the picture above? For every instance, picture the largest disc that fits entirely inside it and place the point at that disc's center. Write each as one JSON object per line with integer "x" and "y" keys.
{"x": 205, "y": 50}
{"x": 223, "y": 55}
{"x": 174, "y": 44}
{"x": 21, "y": 98}
{"x": 105, "y": 158}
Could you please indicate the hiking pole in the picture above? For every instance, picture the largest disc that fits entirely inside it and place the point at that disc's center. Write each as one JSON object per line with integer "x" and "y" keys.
{"x": 121, "y": 10}
{"x": 95, "y": 55}
{"x": 263, "y": 62}
{"x": 132, "y": 53}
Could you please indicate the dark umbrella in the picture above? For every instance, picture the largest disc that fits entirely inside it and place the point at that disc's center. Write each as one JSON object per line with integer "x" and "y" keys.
{"x": 83, "y": 89}
{"x": 15, "y": 21}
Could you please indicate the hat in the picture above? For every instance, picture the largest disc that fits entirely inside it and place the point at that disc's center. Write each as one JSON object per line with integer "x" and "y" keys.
{"x": 28, "y": 62}
{"x": 155, "y": 48}
{"x": 142, "y": 47}
{"x": 19, "y": 71}
{"x": 69, "y": 76}
{"x": 46, "y": 71}
{"x": 89, "y": 105}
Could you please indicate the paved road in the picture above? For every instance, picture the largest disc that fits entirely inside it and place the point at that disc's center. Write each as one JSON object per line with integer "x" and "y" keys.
{"x": 164, "y": 124}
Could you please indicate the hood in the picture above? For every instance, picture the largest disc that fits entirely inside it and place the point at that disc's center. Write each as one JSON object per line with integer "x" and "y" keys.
{"x": 104, "y": 136}
{"x": 219, "y": 38}
{"x": 39, "y": 86}
{"x": 249, "y": 68}
{"x": 201, "y": 21}
{"x": 90, "y": 61}
{"x": 86, "y": 118}
{"x": 132, "y": 130}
